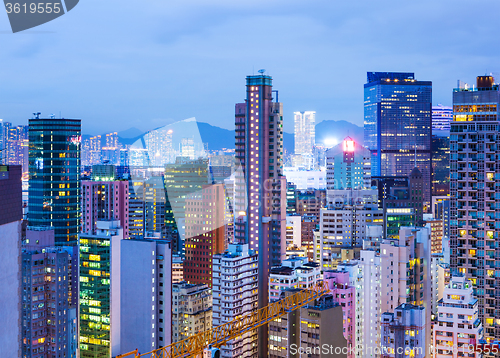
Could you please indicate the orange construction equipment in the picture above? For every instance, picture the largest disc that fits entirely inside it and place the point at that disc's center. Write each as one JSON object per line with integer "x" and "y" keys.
{"x": 218, "y": 336}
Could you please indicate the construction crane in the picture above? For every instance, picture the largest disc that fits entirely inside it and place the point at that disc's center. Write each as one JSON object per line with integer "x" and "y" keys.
{"x": 218, "y": 336}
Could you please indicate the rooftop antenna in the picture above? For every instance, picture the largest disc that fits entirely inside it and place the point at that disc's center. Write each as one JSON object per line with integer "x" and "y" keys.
{"x": 262, "y": 71}
{"x": 52, "y": 116}
{"x": 36, "y": 115}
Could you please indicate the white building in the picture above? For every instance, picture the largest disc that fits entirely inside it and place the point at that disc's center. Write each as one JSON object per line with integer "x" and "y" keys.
{"x": 295, "y": 272}
{"x": 457, "y": 324}
{"x": 367, "y": 330}
{"x": 436, "y": 261}
{"x": 344, "y": 226}
{"x": 305, "y": 133}
{"x": 305, "y": 179}
{"x": 404, "y": 332}
{"x": 293, "y": 231}
{"x": 234, "y": 286}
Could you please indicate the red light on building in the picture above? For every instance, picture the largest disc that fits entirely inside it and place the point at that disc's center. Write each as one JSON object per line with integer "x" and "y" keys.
{"x": 348, "y": 145}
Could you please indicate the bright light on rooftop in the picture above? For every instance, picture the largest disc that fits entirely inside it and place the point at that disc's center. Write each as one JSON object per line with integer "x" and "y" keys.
{"x": 331, "y": 142}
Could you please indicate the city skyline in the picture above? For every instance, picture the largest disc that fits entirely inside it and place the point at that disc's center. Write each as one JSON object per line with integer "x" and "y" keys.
{"x": 140, "y": 80}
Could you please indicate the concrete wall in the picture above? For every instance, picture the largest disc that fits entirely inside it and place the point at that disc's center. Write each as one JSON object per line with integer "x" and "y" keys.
{"x": 10, "y": 289}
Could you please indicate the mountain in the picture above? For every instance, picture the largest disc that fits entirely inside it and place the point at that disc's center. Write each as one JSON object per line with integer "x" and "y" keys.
{"x": 220, "y": 138}
{"x": 328, "y": 132}
{"x": 130, "y": 133}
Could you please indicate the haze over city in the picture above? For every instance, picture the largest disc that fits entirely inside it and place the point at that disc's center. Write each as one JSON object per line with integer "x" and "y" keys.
{"x": 118, "y": 65}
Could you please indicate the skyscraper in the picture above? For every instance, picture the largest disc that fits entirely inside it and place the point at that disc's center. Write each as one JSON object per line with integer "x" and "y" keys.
{"x": 305, "y": 135}
{"x": 474, "y": 208}
{"x": 54, "y": 176}
{"x": 304, "y": 138}
{"x": 398, "y": 125}
{"x": 260, "y": 187}
{"x": 441, "y": 118}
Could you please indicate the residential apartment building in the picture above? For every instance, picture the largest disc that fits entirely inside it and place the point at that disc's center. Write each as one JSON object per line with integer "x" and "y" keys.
{"x": 235, "y": 294}
{"x": 295, "y": 272}
{"x": 474, "y": 180}
{"x": 404, "y": 332}
{"x": 457, "y": 325}
{"x": 191, "y": 310}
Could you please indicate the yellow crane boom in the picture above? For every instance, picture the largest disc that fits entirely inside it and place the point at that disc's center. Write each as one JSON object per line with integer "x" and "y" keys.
{"x": 218, "y": 336}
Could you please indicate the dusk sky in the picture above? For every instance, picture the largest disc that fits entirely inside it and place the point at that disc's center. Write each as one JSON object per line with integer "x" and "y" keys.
{"x": 121, "y": 64}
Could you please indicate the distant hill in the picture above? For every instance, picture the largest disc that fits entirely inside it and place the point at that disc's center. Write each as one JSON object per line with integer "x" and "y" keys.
{"x": 326, "y": 131}
{"x": 219, "y": 138}
{"x": 130, "y": 133}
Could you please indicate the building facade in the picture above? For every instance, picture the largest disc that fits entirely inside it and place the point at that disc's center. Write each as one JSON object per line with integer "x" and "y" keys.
{"x": 398, "y": 125}
{"x": 457, "y": 325}
{"x": 103, "y": 201}
{"x": 10, "y": 264}
{"x": 348, "y": 166}
{"x": 205, "y": 233}
{"x": 235, "y": 293}
{"x": 260, "y": 187}
{"x": 54, "y": 176}
{"x": 474, "y": 177}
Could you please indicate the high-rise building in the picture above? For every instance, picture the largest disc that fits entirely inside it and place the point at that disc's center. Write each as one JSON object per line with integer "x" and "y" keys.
{"x": 54, "y": 176}
{"x": 457, "y": 327}
{"x": 260, "y": 187}
{"x": 308, "y": 331}
{"x": 181, "y": 179}
{"x": 343, "y": 227}
{"x": 441, "y": 164}
{"x": 474, "y": 207}
{"x": 406, "y": 272}
{"x": 191, "y": 310}
{"x": 104, "y": 200}
{"x": 308, "y": 224}
{"x": 95, "y": 150}
{"x": 235, "y": 285}
{"x": 136, "y": 208}
{"x": 348, "y": 166}
{"x": 10, "y": 264}
{"x": 154, "y": 204}
{"x": 441, "y": 211}
{"x": 404, "y": 332}
{"x": 16, "y": 146}
{"x": 47, "y": 282}
{"x": 294, "y": 272}
{"x": 398, "y": 125}
{"x": 205, "y": 232}
{"x": 310, "y": 202}
{"x": 442, "y": 116}
{"x": 134, "y": 311}
{"x": 177, "y": 268}
{"x": 305, "y": 134}
{"x": 402, "y": 199}
{"x": 305, "y": 138}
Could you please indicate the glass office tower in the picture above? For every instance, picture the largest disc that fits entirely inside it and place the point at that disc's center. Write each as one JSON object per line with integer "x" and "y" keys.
{"x": 397, "y": 125}
{"x": 54, "y": 176}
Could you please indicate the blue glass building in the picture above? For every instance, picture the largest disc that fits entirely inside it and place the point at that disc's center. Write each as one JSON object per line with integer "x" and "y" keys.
{"x": 54, "y": 194}
{"x": 398, "y": 125}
